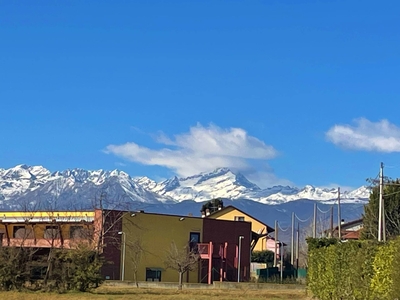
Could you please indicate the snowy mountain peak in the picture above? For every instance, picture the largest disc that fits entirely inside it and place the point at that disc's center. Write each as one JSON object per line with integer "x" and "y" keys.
{"x": 79, "y": 186}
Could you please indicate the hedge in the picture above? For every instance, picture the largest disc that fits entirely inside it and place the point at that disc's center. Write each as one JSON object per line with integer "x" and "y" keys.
{"x": 353, "y": 270}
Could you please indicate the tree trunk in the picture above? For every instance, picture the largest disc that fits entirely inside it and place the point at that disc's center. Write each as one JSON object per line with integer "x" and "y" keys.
{"x": 180, "y": 281}
{"x": 48, "y": 269}
{"x": 135, "y": 278}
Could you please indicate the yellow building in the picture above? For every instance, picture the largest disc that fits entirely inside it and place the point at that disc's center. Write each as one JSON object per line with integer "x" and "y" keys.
{"x": 148, "y": 238}
{"x": 260, "y": 230}
{"x": 46, "y": 229}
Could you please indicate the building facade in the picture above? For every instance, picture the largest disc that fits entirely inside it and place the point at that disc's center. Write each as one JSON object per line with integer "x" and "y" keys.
{"x": 260, "y": 230}
{"x": 217, "y": 242}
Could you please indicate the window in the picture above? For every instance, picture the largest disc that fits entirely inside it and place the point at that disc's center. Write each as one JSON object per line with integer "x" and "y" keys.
{"x": 153, "y": 274}
{"x": 194, "y": 239}
{"x": 80, "y": 232}
{"x": 51, "y": 232}
{"x": 239, "y": 218}
{"x": 77, "y": 232}
{"x": 22, "y": 232}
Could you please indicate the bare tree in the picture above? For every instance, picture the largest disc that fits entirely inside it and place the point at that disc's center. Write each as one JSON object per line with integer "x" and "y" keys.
{"x": 137, "y": 251}
{"x": 181, "y": 260}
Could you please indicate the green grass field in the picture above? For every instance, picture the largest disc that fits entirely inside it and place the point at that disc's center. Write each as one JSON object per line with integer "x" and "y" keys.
{"x": 116, "y": 293}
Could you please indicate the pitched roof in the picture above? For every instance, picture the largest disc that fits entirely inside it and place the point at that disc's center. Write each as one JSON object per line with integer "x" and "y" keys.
{"x": 352, "y": 235}
{"x": 349, "y": 224}
{"x": 223, "y": 210}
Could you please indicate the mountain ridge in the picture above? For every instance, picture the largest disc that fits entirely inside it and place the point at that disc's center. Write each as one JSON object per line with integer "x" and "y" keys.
{"x": 24, "y": 181}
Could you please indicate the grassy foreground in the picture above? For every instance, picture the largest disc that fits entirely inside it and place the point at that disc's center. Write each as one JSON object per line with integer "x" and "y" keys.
{"x": 116, "y": 293}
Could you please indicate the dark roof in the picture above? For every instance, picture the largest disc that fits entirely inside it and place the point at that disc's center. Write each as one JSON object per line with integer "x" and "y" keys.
{"x": 349, "y": 224}
{"x": 269, "y": 229}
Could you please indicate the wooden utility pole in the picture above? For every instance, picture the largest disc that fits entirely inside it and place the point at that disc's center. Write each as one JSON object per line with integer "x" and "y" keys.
{"x": 331, "y": 222}
{"x": 297, "y": 246}
{"x": 339, "y": 217}
{"x": 276, "y": 247}
{"x": 292, "y": 242}
{"x": 314, "y": 234}
{"x": 381, "y": 208}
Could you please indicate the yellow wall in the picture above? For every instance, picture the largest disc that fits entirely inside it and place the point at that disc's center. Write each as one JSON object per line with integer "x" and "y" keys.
{"x": 156, "y": 233}
{"x": 40, "y": 228}
{"x": 45, "y": 214}
{"x": 256, "y": 226}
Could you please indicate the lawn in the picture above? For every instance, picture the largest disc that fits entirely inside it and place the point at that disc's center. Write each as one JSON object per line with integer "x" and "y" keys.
{"x": 116, "y": 293}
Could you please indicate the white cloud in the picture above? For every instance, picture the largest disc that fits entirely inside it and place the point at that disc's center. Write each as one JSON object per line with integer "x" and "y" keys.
{"x": 199, "y": 150}
{"x": 365, "y": 135}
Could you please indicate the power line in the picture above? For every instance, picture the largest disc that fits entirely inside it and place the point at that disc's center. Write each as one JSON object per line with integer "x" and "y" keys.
{"x": 303, "y": 221}
{"x": 323, "y": 212}
{"x": 282, "y": 228}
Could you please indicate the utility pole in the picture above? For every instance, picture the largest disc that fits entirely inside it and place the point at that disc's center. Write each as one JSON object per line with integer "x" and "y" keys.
{"x": 331, "y": 222}
{"x": 281, "y": 254}
{"x": 314, "y": 234}
{"x": 381, "y": 209}
{"x": 276, "y": 247}
{"x": 339, "y": 217}
{"x": 292, "y": 242}
{"x": 297, "y": 247}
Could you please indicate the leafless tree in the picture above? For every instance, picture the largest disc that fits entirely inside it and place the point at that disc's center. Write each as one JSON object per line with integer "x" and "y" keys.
{"x": 137, "y": 251}
{"x": 181, "y": 260}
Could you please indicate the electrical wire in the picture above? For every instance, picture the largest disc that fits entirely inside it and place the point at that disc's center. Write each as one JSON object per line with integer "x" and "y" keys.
{"x": 282, "y": 228}
{"x": 301, "y": 220}
{"x": 323, "y": 212}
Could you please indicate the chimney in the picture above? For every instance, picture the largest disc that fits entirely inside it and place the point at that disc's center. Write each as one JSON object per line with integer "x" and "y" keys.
{"x": 207, "y": 211}
{"x": 219, "y": 206}
{"x": 203, "y": 214}
{"x": 342, "y": 222}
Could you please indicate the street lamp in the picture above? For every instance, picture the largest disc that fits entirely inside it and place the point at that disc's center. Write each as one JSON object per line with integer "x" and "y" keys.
{"x": 241, "y": 237}
{"x": 123, "y": 254}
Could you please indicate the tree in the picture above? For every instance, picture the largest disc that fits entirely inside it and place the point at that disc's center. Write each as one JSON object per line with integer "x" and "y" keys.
{"x": 136, "y": 250}
{"x": 181, "y": 260}
{"x": 212, "y": 205}
{"x": 265, "y": 256}
{"x": 391, "y": 198}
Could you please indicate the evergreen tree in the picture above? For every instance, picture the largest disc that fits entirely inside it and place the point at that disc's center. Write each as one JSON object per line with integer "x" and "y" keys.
{"x": 391, "y": 198}
{"x": 212, "y": 205}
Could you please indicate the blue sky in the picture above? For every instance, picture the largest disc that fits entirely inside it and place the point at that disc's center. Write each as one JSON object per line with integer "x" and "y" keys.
{"x": 288, "y": 92}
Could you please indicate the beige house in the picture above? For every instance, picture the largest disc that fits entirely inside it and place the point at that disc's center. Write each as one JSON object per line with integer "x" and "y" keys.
{"x": 260, "y": 230}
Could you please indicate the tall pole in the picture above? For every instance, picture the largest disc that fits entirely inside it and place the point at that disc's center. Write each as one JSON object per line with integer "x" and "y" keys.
{"x": 276, "y": 240}
{"x": 239, "y": 254}
{"x": 380, "y": 203}
{"x": 314, "y": 234}
{"x": 123, "y": 254}
{"x": 297, "y": 246}
{"x": 292, "y": 242}
{"x": 281, "y": 254}
{"x": 331, "y": 221}
{"x": 339, "y": 217}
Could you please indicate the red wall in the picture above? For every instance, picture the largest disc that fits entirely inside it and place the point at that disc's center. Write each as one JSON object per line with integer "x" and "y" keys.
{"x": 112, "y": 245}
{"x": 220, "y": 231}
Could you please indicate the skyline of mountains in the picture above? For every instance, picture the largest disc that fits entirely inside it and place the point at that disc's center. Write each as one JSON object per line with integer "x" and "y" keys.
{"x": 37, "y": 181}
{"x": 35, "y": 187}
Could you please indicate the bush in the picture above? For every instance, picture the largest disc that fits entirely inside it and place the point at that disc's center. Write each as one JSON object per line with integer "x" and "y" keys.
{"x": 65, "y": 269}
{"x": 265, "y": 256}
{"x": 354, "y": 270}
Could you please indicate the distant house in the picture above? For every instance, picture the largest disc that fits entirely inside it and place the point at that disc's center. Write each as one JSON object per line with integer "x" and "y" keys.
{"x": 260, "y": 231}
{"x": 349, "y": 230}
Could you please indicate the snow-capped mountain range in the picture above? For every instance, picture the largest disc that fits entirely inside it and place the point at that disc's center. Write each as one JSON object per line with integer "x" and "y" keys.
{"x": 78, "y": 186}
